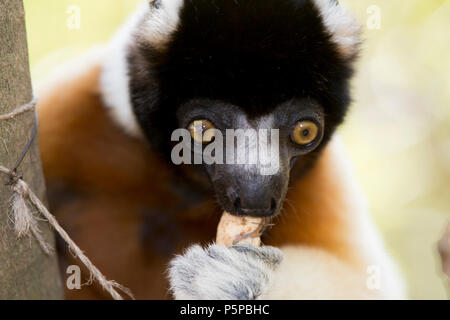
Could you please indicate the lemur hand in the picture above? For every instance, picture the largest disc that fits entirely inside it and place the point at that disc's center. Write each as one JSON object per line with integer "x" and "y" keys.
{"x": 238, "y": 273}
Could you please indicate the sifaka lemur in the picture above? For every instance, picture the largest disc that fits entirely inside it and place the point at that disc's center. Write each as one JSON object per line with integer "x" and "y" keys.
{"x": 106, "y": 140}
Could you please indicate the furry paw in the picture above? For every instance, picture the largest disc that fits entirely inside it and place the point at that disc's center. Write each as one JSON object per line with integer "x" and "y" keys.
{"x": 220, "y": 273}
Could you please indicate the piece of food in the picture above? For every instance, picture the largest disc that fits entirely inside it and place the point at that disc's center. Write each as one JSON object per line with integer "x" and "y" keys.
{"x": 234, "y": 230}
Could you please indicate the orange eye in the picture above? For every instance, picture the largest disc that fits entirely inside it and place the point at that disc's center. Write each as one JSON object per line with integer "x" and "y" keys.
{"x": 305, "y": 132}
{"x": 200, "y": 131}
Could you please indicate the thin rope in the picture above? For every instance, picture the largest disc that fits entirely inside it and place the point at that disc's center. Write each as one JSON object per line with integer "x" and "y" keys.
{"x": 19, "y": 110}
{"x": 26, "y": 222}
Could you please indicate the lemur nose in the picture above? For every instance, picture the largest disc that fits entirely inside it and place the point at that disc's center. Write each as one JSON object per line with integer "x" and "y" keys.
{"x": 255, "y": 206}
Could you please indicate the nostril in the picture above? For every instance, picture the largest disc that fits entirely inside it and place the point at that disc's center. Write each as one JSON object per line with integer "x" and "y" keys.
{"x": 241, "y": 208}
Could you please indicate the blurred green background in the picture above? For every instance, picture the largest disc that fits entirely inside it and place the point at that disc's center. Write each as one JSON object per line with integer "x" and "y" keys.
{"x": 398, "y": 133}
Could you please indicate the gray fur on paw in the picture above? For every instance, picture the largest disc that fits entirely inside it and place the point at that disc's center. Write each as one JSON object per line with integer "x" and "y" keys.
{"x": 217, "y": 272}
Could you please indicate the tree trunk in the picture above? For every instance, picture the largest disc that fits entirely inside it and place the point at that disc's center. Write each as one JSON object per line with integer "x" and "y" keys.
{"x": 26, "y": 272}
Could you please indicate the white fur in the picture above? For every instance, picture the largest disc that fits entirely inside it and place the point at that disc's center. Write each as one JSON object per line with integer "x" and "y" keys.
{"x": 221, "y": 273}
{"x": 342, "y": 26}
{"x": 114, "y": 80}
{"x": 314, "y": 274}
{"x": 162, "y": 22}
{"x": 146, "y": 24}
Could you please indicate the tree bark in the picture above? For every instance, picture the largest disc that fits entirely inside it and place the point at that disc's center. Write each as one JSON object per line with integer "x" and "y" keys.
{"x": 26, "y": 272}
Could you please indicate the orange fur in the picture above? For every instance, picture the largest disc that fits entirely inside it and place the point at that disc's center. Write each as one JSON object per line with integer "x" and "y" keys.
{"x": 314, "y": 212}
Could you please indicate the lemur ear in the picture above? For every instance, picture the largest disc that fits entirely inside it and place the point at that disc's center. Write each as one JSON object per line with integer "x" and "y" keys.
{"x": 344, "y": 29}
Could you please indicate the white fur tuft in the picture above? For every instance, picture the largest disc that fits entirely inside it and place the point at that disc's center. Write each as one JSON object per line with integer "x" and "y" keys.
{"x": 114, "y": 80}
{"x": 162, "y": 22}
{"x": 153, "y": 25}
{"x": 342, "y": 26}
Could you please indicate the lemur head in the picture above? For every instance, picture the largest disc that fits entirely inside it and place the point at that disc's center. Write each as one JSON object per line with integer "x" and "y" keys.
{"x": 236, "y": 64}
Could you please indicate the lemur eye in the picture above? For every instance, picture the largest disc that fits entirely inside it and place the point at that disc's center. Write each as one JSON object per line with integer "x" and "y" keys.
{"x": 305, "y": 132}
{"x": 200, "y": 131}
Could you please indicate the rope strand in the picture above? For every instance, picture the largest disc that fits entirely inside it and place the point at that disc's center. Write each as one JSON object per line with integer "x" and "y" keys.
{"x": 19, "y": 110}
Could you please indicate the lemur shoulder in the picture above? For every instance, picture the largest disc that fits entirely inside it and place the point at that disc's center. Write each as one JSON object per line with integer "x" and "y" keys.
{"x": 105, "y": 138}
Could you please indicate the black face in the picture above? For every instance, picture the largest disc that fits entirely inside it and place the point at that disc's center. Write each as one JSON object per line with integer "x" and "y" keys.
{"x": 258, "y": 187}
{"x": 246, "y": 64}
